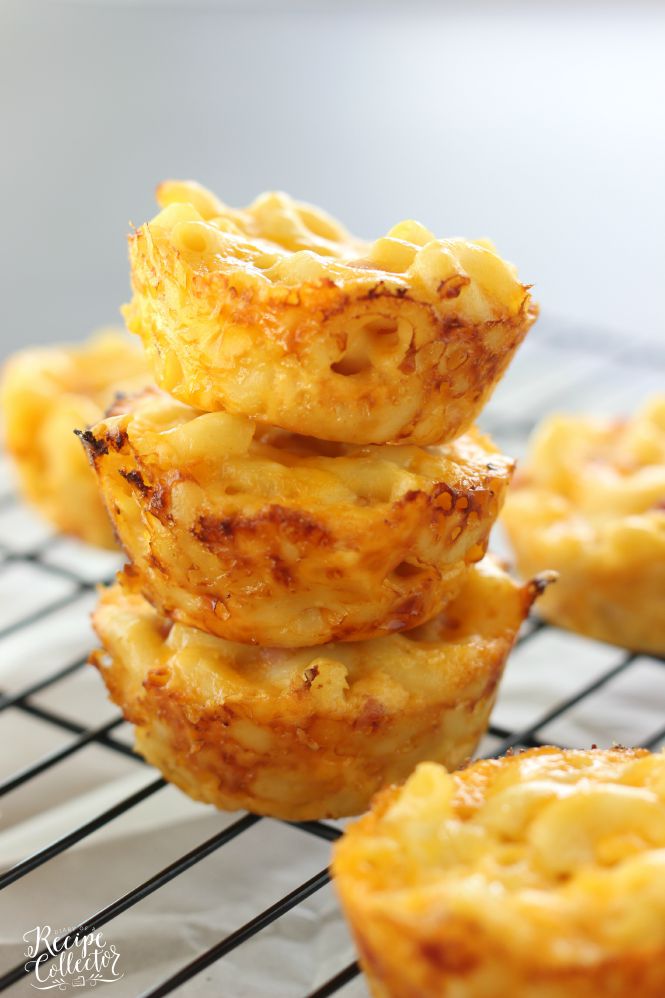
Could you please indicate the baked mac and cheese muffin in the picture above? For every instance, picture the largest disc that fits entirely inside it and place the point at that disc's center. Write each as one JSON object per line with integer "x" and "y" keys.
{"x": 311, "y": 732}
{"x": 46, "y": 393}
{"x": 261, "y": 536}
{"x": 590, "y": 503}
{"x": 275, "y": 312}
{"x": 539, "y": 875}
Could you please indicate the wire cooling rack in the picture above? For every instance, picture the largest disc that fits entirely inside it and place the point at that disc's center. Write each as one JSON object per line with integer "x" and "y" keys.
{"x": 195, "y": 901}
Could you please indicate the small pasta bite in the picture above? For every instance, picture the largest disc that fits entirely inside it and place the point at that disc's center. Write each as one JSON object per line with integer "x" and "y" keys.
{"x": 541, "y": 874}
{"x": 277, "y": 313}
{"x": 46, "y": 393}
{"x": 261, "y": 536}
{"x": 311, "y": 732}
{"x": 590, "y": 503}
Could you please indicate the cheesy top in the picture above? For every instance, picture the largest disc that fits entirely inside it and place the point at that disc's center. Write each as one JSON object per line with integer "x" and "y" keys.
{"x": 453, "y": 659}
{"x": 239, "y": 456}
{"x": 563, "y": 850}
{"x": 603, "y": 468}
{"x": 47, "y": 391}
{"x": 280, "y": 241}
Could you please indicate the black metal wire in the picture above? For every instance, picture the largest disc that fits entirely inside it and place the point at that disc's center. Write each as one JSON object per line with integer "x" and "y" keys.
{"x": 528, "y": 734}
{"x": 318, "y": 828}
{"x": 42, "y": 613}
{"x": 51, "y": 758}
{"x": 337, "y": 982}
{"x": 11, "y": 699}
{"x": 132, "y": 897}
{"x": 22, "y": 701}
{"x": 67, "y": 841}
{"x": 59, "y": 721}
{"x": 241, "y": 935}
{"x": 653, "y": 740}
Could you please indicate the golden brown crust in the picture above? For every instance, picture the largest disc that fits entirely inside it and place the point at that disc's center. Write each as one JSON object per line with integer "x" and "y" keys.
{"x": 465, "y": 965}
{"x": 591, "y": 504}
{"x": 46, "y": 393}
{"x": 260, "y": 536}
{"x": 276, "y": 313}
{"x": 540, "y": 874}
{"x": 308, "y": 733}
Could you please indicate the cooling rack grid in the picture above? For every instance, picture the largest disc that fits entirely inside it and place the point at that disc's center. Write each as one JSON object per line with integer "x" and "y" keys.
{"x": 199, "y": 902}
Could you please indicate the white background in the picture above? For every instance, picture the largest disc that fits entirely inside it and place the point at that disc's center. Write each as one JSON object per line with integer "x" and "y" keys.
{"x": 539, "y": 124}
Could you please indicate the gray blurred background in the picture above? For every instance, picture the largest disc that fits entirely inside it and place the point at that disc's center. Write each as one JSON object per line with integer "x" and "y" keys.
{"x": 540, "y": 125}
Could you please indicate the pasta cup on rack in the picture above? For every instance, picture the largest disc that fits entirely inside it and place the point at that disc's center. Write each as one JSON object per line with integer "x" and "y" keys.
{"x": 311, "y": 732}
{"x": 276, "y": 313}
{"x": 46, "y": 393}
{"x": 590, "y": 503}
{"x": 261, "y": 536}
{"x": 541, "y": 874}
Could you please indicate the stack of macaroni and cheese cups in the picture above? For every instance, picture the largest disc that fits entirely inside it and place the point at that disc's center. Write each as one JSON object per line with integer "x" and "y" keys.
{"x": 305, "y": 505}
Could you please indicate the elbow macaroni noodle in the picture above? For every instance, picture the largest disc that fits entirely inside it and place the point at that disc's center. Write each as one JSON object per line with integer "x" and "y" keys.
{"x": 590, "y": 503}
{"x": 276, "y": 313}
{"x": 259, "y": 535}
{"x": 301, "y": 733}
{"x": 46, "y": 393}
{"x": 541, "y": 873}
